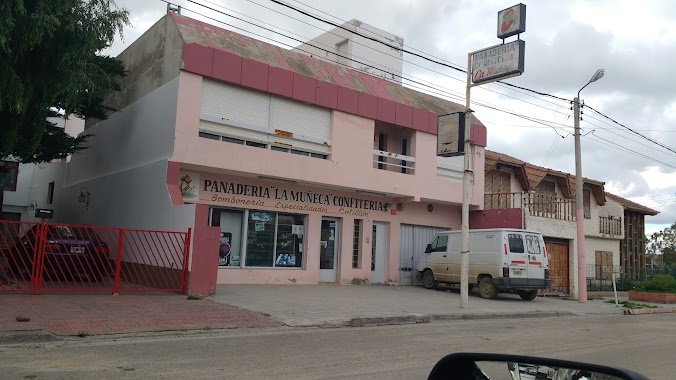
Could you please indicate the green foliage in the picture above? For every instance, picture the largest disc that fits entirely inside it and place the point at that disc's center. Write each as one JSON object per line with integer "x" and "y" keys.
{"x": 664, "y": 243}
{"x": 49, "y": 58}
{"x": 632, "y": 305}
{"x": 195, "y": 297}
{"x": 660, "y": 283}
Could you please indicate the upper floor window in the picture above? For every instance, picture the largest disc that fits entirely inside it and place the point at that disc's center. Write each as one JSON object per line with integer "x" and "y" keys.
{"x": 392, "y": 148}
{"x": 9, "y": 173}
{"x": 276, "y": 148}
{"x": 252, "y": 118}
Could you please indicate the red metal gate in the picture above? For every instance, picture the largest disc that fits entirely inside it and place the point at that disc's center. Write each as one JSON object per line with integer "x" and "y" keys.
{"x": 44, "y": 257}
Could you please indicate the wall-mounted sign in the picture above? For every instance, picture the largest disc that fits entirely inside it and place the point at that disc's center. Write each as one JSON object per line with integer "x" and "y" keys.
{"x": 451, "y": 135}
{"x": 512, "y": 21}
{"x": 498, "y": 62}
{"x": 188, "y": 183}
{"x": 44, "y": 213}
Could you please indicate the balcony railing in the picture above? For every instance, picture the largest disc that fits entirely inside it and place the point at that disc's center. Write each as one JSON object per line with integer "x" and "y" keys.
{"x": 547, "y": 206}
{"x": 610, "y": 225}
{"x": 544, "y": 206}
{"x": 503, "y": 200}
{"x": 393, "y": 161}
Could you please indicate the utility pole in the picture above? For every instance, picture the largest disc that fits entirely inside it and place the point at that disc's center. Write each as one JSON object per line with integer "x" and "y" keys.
{"x": 466, "y": 188}
{"x": 579, "y": 210}
{"x": 579, "y": 198}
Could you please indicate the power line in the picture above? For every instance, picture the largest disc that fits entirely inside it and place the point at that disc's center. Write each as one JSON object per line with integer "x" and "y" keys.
{"x": 437, "y": 61}
{"x": 631, "y": 130}
{"x": 389, "y": 55}
{"x": 627, "y": 138}
{"x": 554, "y": 143}
{"x": 627, "y": 150}
{"x": 447, "y": 61}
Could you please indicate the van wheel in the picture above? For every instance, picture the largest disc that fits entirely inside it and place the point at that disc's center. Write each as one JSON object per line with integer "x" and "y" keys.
{"x": 528, "y": 295}
{"x": 428, "y": 280}
{"x": 487, "y": 289}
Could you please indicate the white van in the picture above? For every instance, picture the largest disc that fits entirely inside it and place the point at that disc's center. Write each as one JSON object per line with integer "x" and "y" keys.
{"x": 500, "y": 260}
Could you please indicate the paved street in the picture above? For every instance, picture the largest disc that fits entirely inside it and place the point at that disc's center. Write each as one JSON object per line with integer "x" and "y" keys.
{"x": 643, "y": 343}
{"x": 309, "y": 305}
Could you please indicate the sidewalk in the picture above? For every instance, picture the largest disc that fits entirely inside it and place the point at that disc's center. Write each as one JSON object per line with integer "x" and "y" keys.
{"x": 94, "y": 314}
{"x": 334, "y": 305}
{"x": 254, "y": 306}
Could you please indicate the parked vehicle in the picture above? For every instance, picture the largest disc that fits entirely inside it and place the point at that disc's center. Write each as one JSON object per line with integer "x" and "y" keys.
{"x": 500, "y": 260}
{"x": 65, "y": 254}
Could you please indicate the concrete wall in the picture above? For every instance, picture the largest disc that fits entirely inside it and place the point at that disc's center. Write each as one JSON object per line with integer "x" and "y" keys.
{"x": 151, "y": 61}
{"x": 596, "y": 244}
{"x": 387, "y": 61}
{"x": 140, "y": 134}
{"x": 611, "y": 208}
{"x": 19, "y": 200}
{"x": 38, "y": 194}
{"x": 500, "y": 218}
{"x": 134, "y": 198}
{"x": 124, "y": 171}
{"x": 350, "y": 165}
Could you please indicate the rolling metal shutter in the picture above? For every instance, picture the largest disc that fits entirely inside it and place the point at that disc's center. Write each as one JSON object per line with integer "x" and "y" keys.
{"x": 249, "y": 115}
{"x": 414, "y": 239}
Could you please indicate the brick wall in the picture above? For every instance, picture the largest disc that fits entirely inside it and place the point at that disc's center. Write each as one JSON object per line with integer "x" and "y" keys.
{"x": 652, "y": 297}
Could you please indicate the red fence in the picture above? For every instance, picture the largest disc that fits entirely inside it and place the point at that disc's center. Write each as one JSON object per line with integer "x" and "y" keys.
{"x": 43, "y": 257}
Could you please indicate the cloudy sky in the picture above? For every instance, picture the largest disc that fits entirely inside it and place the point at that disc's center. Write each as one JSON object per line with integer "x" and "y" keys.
{"x": 566, "y": 42}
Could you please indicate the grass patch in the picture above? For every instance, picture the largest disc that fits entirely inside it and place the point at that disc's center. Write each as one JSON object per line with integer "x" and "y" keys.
{"x": 567, "y": 299}
{"x": 195, "y": 297}
{"x": 82, "y": 334}
{"x": 633, "y": 305}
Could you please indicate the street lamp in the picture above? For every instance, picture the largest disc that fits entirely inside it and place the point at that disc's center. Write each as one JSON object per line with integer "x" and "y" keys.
{"x": 579, "y": 199}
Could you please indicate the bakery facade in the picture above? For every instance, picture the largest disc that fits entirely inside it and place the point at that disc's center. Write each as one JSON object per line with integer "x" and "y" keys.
{"x": 288, "y": 169}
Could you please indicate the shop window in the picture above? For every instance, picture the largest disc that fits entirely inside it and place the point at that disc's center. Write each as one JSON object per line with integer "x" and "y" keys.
{"x": 274, "y": 240}
{"x": 356, "y": 244}
{"x": 230, "y": 242}
{"x": 9, "y": 172}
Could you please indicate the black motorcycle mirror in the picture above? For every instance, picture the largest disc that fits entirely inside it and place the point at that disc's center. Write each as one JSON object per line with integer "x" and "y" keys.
{"x": 476, "y": 366}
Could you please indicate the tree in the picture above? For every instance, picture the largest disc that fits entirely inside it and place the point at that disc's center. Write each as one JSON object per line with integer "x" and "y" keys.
{"x": 664, "y": 242}
{"x": 50, "y": 60}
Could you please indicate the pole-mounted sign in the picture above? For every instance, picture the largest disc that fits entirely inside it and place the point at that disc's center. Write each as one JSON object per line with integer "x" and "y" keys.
{"x": 484, "y": 66}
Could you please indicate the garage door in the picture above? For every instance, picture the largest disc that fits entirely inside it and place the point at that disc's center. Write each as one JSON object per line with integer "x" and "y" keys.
{"x": 558, "y": 265}
{"x": 414, "y": 239}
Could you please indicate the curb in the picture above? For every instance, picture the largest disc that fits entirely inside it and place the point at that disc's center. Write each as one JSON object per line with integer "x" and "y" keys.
{"x": 650, "y": 311}
{"x": 416, "y": 319}
{"x": 27, "y": 336}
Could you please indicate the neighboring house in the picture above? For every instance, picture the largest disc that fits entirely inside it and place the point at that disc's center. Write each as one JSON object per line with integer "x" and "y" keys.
{"x": 31, "y": 186}
{"x": 362, "y": 54}
{"x": 287, "y": 168}
{"x": 522, "y": 195}
{"x": 633, "y": 247}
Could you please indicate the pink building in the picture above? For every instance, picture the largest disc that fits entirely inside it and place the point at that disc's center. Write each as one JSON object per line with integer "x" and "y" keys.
{"x": 289, "y": 169}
